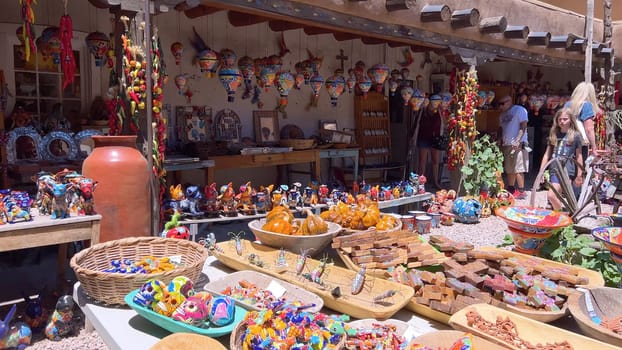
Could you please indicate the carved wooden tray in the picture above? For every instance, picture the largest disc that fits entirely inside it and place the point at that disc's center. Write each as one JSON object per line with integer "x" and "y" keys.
{"x": 361, "y": 305}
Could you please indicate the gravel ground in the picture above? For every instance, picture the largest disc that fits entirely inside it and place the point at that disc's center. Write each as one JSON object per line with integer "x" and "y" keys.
{"x": 488, "y": 232}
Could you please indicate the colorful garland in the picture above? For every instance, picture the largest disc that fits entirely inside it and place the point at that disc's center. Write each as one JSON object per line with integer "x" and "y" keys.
{"x": 68, "y": 62}
{"x": 461, "y": 124}
{"x": 159, "y": 120}
{"x": 134, "y": 73}
{"x": 28, "y": 31}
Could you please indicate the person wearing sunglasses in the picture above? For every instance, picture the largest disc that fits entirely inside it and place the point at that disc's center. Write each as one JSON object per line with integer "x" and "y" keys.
{"x": 513, "y": 131}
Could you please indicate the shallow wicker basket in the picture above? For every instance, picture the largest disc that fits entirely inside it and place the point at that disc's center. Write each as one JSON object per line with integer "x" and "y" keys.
{"x": 111, "y": 288}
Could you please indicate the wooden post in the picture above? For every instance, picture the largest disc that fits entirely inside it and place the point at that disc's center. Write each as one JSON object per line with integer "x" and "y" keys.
{"x": 589, "y": 35}
{"x": 435, "y": 13}
{"x": 465, "y": 18}
{"x": 492, "y": 25}
{"x": 397, "y": 5}
{"x": 538, "y": 38}
{"x": 516, "y": 32}
{"x": 609, "y": 74}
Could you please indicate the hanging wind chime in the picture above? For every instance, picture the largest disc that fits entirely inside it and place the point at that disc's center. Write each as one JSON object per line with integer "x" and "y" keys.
{"x": 28, "y": 31}
{"x": 67, "y": 60}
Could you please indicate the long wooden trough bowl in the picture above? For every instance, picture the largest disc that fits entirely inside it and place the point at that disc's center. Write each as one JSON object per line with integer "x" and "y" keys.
{"x": 607, "y": 303}
{"x": 379, "y": 298}
{"x": 446, "y": 338}
{"x": 529, "y": 330}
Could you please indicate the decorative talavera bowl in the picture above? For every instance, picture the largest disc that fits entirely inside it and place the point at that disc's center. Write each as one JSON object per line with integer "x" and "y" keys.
{"x": 611, "y": 237}
{"x": 294, "y": 243}
{"x": 530, "y": 226}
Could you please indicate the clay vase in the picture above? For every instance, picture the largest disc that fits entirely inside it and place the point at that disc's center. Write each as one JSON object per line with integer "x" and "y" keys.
{"x": 123, "y": 193}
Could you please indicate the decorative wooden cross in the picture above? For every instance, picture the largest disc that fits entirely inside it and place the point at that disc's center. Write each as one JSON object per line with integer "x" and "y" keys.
{"x": 341, "y": 57}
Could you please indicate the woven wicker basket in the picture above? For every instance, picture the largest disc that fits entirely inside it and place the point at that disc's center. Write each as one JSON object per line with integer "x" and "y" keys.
{"x": 111, "y": 288}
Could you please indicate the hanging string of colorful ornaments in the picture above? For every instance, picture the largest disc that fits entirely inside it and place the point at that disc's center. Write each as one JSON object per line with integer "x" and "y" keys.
{"x": 461, "y": 123}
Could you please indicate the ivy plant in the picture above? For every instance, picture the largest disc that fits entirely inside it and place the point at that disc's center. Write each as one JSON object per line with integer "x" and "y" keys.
{"x": 568, "y": 247}
{"x": 485, "y": 163}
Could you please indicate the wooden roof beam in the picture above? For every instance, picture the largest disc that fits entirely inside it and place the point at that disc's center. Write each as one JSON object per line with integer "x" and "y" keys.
{"x": 343, "y": 36}
{"x": 538, "y": 38}
{"x": 398, "y": 5}
{"x": 199, "y": 11}
{"x": 492, "y": 25}
{"x": 280, "y": 26}
{"x": 516, "y": 32}
{"x": 465, "y": 18}
{"x": 435, "y": 13}
{"x": 317, "y": 31}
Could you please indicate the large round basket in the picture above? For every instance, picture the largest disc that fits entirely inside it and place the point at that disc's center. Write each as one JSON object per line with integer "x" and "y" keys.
{"x": 111, "y": 288}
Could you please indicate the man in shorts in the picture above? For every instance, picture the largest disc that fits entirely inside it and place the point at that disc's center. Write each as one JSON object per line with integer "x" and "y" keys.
{"x": 513, "y": 141}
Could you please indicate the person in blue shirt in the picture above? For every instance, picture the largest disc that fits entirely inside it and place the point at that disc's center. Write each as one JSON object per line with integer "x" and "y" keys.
{"x": 513, "y": 141}
{"x": 564, "y": 143}
{"x": 584, "y": 105}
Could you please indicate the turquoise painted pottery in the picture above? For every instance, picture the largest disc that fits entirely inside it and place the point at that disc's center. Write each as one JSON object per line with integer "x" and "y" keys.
{"x": 467, "y": 211}
{"x": 533, "y": 220}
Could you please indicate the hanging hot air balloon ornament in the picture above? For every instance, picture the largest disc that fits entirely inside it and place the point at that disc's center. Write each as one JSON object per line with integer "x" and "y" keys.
{"x": 351, "y": 80}
{"x": 316, "y": 83}
{"x": 335, "y": 85}
{"x": 536, "y": 102}
{"x": 416, "y": 101}
{"x": 307, "y": 71}
{"x": 299, "y": 78}
{"x": 266, "y": 77}
{"x": 481, "y": 98}
{"x": 315, "y": 61}
{"x": 181, "y": 81}
{"x": 231, "y": 79}
{"x": 260, "y": 64}
{"x": 378, "y": 73}
{"x": 50, "y": 35}
{"x": 284, "y": 82}
{"x": 177, "y": 49}
{"x": 407, "y": 93}
{"x": 247, "y": 68}
{"x": 364, "y": 83}
{"x": 275, "y": 62}
{"x": 359, "y": 69}
{"x": 208, "y": 62}
{"x": 227, "y": 58}
{"x": 97, "y": 44}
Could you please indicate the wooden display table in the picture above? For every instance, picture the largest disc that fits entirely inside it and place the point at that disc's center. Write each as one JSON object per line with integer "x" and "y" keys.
{"x": 43, "y": 231}
{"x": 266, "y": 159}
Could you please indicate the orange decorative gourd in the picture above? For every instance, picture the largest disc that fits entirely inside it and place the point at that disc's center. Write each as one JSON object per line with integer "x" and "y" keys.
{"x": 278, "y": 226}
{"x": 280, "y": 212}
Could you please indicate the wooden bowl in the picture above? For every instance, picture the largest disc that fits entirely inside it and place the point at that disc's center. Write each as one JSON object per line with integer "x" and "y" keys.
{"x": 607, "y": 303}
{"x": 445, "y": 339}
{"x": 187, "y": 341}
{"x": 294, "y": 243}
{"x": 529, "y": 330}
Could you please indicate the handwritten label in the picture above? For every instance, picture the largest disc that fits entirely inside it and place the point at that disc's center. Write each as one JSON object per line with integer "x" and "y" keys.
{"x": 276, "y": 289}
{"x": 175, "y": 259}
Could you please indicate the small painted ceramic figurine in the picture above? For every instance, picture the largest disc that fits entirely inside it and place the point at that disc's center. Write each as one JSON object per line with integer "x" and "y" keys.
{"x": 43, "y": 200}
{"x": 60, "y": 323}
{"x": 227, "y": 199}
{"x": 35, "y": 316}
{"x": 60, "y": 206}
{"x": 245, "y": 199}
{"x": 86, "y": 205}
{"x": 211, "y": 200}
{"x": 294, "y": 197}
{"x": 323, "y": 194}
{"x": 18, "y": 336}
{"x": 263, "y": 199}
{"x": 191, "y": 203}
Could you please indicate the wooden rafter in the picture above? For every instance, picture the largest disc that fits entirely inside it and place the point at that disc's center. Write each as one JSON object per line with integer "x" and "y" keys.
{"x": 200, "y": 11}
{"x": 280, "y": 26}
{"x": 240, "y": 19}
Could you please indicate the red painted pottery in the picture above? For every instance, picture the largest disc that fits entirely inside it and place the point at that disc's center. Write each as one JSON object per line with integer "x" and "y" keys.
{"x": 122, "y": 196}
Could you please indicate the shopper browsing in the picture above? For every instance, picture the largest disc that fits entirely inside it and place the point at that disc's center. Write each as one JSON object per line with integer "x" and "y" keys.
{"x": 513, "y": 130}
{"x": 584, "y": 106}
{"x": 564, "y": 143}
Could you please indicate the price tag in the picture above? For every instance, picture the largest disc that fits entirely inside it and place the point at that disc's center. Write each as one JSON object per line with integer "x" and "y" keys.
{"x": 276, "y": 289}
{"x": 175, "y": 259}
{"x": 410, "y": 334}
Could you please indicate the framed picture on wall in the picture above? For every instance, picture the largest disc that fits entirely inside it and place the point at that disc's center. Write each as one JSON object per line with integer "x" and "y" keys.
{"x": 439, "y": 83}
{"x": 266, "y": 127}
{"x": 195, "y": 123}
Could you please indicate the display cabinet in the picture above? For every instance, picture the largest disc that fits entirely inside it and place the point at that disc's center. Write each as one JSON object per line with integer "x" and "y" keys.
{"x": 373, "y": 135}
{"x": 487, "y": 120}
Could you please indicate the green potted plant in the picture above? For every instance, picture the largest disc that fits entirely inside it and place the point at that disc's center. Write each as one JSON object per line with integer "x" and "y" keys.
{"x": 482, "y": 167}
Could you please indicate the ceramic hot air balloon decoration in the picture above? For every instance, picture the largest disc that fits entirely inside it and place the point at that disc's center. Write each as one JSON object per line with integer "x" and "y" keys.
{"x": 260, "y": 63}
{"x": 275, "y": 62}
{"x": 536, "y": 102}
{"x": 208, "y": 62}
{"x": 481, "y": 98}
{"x": 407, "y": 93}
{"x": 490, "y": 96}
{"x": 335, "y": 85}
{"x": 231, "y": 79}
{"x": 299, "y": 80}
{"x": 266, "y": 77}
{"x": 378, "y": 73}
{"x": 307, "y": 71}
{"x": 50, "y": 36}
{"x": 316, "y": 83}
{"x": 97, "y": 44}
{"x": 416, "y": 101}
{"x": 351, "y": 81}
{"x": 181, "y": 81}
{"x": 446, "y": 98}
{"x": 177, "y": 49}
{"x": 228, "y": 58}
{"x": 284, "y": 82}
{"x": 364, "y": 84}
{"x": 247, "y": 69}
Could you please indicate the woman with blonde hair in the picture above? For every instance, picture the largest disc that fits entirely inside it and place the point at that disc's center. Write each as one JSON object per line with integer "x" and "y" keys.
{"x": 584, "y": 105}
{"x": 564, "y": 143}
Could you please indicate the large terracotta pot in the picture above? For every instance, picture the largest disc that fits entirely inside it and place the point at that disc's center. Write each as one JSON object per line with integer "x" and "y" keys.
{"x": 122, "y": 196}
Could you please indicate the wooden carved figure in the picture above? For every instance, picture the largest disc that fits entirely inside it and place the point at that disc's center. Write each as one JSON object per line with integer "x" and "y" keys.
{"x": 60, "y": 207}
{"x": 60, "y": 323}
{"x": 18, "y": 336}
{"x": 43, "y": 200}
{"x": 86, "y": 204}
